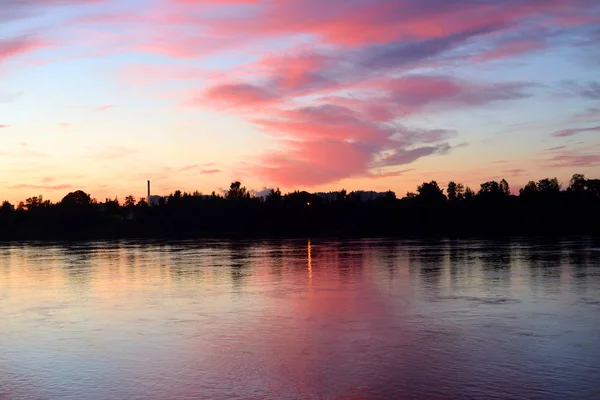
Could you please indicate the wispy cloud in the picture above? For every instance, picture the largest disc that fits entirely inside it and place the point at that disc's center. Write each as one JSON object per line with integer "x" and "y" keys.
{"x": 42, "y": 187}
{"x": 13, "y": 10}
{"x": 573, "y": 132}
{"x": 514, "y": 172}
{"x": 573, "y": 158}
{"x": 15, "y": 46}
{"x": 338, "y": 89}
{"x": 589, "y": 90}
{"x": 210, "y": 171}
{"x": 556, "y": 148}
{"x": 591, "y": 114}
{"x": 390, "y": 174}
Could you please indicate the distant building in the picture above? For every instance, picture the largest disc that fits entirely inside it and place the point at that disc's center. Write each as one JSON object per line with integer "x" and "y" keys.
{"x": 328, "y": 196}
{"x": 364, "y": 196}
{"x": 360, "y": 195}
{"x": 108, "y": 206}
{"x": 155, "y": 201}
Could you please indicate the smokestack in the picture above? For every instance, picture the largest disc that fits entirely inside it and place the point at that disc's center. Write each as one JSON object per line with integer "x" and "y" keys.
{"x": 148, "y": 192}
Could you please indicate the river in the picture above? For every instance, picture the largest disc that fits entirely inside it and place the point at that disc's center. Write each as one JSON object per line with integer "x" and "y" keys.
{"x": 320, "y": 319}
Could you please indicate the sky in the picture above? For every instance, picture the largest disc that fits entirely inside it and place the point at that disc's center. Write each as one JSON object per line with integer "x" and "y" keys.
{"x": 103, "y": 95}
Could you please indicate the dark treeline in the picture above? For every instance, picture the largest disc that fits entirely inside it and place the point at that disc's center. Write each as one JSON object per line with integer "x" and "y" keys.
{"x": 540, "y": 208}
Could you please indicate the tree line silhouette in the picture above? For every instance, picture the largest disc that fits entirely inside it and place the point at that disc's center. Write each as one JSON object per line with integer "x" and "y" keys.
{"x": 540, "y": 208}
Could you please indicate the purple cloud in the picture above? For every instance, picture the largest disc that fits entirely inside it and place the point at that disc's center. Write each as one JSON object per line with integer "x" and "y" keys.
{"x": 574, "y": 159}
{"x": 573, "y": 132}
{"x": 556, "y": 148}
{"x": 591, "y": 90}
{"x": 514, "y": 172}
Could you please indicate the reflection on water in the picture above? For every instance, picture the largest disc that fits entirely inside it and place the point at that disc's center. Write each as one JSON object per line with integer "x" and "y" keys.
{"x": 300, "y": 319}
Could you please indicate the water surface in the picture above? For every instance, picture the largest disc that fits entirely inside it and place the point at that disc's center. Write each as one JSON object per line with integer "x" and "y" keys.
{"x": 299, "y": 319}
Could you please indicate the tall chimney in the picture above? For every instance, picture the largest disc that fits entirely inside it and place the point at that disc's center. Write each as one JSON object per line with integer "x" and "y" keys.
{"x": 148, "y": 192}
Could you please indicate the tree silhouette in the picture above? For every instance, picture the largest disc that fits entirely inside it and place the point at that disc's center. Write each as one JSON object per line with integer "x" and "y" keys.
{"x": 76, "y": 199}
{"x": 237, "y": 192}
{"x": 142, "y": 203}
{"x": 530, "y": 189}
{"x": 34, "y": 202}
{"x": 491, "y": 187}
{"x": 452, "y": 191}
{"x": 504, "y": 188}
{"x": 430, "y": 193}
{"x": 539, "y": 209}
{"x": 548, "y": 186}
{"x": 577, "y": 183}
{"x": 129, "y": 201}
{"x": 6, "y": 207}
{"x": 593, "y": 187}
{"x": 274, "y": 197}
{"x": 469, "y": 193}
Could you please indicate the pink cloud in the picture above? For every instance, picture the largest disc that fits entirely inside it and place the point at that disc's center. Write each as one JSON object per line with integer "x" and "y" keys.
{"x": 386, "y": 99}
{"x": 382, "y": 21}
{"x": 511, "y": 49}
{"x": 357, "y": 128}
{"x": 20, "y": 45}
{"x": 355, "y": 23}
{"x": 572, "y": 158}
{"x": 104, "y": 108}
{"x": 4, "y": 126}
{"x": 215, "y": 2}
{"x": 412, "y": 93}
{"x": 593, "y": 114}
{"x": 237, "y": 95}
{"x": 192, "y": 169}
{"x": 326, "y": 122}
{"x": 514, "y": 172}
{"x": 308, "y": 163}
{"x": 301, "y": 72}
{"x": 333, "y": 104}
{"x": 573, "y": 132}
{"x": 326, "y": 143}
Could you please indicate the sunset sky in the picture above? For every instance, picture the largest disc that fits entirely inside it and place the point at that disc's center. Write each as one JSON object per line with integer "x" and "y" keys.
{"x": 321, "y": 95}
